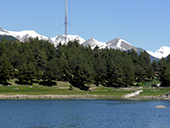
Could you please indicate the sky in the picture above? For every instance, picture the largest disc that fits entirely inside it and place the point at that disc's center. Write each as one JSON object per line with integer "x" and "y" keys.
{"x": 142, "y": 23}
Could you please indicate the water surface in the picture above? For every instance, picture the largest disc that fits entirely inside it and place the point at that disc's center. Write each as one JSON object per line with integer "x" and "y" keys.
{"x": 83, "y": 114}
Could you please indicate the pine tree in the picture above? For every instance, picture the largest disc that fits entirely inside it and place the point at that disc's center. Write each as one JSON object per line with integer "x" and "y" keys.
{"x": 63, "y": 58}
{"x": 51, "y": 72}
{"x": 81, "y": 68}
{"x": 162, "y": 64}
{"x": 6, "y": 72}
{"x": 168, "y": 59}
{"x": 144, "y": 61}
{"x": 134, "y": 56}
{"x": 128, "y": 72}
{"x": 165, "y": 77}
{"x": 99, "y": 64}
{"x": 140, "y": 73}
{"x": 155, "y": 66}
{"x": 40, "y": 63}
{"x": 114, "y": 74}
{"x": 26, "y": 73}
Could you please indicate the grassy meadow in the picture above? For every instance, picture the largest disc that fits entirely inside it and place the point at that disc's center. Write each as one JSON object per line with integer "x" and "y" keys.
{"x": 62, "y": 88}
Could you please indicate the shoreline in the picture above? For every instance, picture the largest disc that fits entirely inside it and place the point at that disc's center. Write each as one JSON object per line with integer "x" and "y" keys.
{"x": 46, "y": 97}
{"x": 23, "y": 96}
{"x": 57, "y": 97}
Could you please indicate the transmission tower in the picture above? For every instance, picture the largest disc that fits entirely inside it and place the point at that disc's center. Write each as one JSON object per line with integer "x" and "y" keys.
{"x": 66, "y": 21}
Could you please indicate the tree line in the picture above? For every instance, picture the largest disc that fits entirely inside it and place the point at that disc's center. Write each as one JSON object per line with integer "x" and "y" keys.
{"x": 39, "y": 61}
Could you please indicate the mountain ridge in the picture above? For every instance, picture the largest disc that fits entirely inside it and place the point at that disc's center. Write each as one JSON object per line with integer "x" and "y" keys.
{"x": 116, "y": 43}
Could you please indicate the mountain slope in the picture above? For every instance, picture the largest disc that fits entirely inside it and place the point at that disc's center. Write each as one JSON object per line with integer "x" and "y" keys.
{"x": 22, "y": 35}
{"x": 5, "y": 34}
{"x": 162, "y": 52}
{"x": 93, "y": 43}
{"x": 118, "y": 43}
{"x": 25, "y": 35}
{"x": 123, "y": 45}
{"x": 8, "y": 37}
{"x": 61, "y": 38}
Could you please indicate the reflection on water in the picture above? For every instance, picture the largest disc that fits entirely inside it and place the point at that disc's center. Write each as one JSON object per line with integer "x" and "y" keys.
{"x": 83, "y": 114}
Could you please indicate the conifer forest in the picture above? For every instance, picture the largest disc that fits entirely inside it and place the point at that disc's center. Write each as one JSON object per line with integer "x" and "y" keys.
{"x": 40, "y": 61}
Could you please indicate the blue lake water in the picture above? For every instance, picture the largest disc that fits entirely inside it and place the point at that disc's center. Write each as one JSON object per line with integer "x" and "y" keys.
{"x": 83, "y": 114}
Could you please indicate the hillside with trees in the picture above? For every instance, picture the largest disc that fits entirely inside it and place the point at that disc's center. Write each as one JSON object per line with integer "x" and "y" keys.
{"x": 39, "y": 61}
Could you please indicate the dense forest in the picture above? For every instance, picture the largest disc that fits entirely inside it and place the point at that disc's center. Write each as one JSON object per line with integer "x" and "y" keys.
{"x": 39, "y": 61}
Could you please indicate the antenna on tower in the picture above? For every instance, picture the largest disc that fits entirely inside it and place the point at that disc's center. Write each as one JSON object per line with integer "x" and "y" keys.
{"x": 66, "y": 21}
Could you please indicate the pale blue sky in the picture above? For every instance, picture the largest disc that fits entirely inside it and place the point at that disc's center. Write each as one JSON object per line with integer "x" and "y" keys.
{"x": 143, "y": 23}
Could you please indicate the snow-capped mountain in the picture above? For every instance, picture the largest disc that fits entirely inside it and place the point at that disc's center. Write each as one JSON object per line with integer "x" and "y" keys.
{"x": 162, "y": 52}
{"x": 93, "y": 43}
{"x": 116, "y": 43}
{"x": 24, "y": 35}
{"x": 122, "y": 45}
{"x": 4, "y": 32}
{"x": 61, "y": 38}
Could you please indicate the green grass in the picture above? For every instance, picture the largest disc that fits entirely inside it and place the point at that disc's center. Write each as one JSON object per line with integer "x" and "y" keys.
{"x": 35, "y": 90}
{"x": 62, "y": 88}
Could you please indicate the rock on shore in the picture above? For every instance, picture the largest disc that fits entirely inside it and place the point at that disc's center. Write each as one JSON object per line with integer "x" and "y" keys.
{"x": 165, "y": 96}
{"x": 23, "y": 96}
{"x": 19, "y": 96}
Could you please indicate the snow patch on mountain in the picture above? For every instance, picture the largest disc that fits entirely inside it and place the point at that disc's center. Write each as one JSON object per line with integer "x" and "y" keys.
{"x": 61, "y": 38}
{"x": 118, "y": 43}
{"x": 93, "y": 43}
{"x": 4, "y": 32}
{"x": 162, "y": 52}
{"x": 26, "y": 34}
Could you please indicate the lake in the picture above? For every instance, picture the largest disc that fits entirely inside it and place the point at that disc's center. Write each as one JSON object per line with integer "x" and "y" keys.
{"x": 83, "y": 114}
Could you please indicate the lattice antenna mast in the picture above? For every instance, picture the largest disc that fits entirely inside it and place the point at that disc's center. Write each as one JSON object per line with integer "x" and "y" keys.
{"x": 66, "y": 21}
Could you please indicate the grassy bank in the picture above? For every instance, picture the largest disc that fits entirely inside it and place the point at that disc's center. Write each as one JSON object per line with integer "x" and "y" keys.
{"x": 62, "y": 88}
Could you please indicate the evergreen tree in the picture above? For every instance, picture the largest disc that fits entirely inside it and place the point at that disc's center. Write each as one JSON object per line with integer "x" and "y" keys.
{"x": 114, "y": 74}
{"x": 128, "y": 72}
{"x": 134, "y": 56}
{"x": 165, "y": 77}
{"x": 144, "y": 61}
{"x": 51, "y": 72}
{"x": 40, "y": 63}
{"x": 168, "y": 59}
{"x": 26, "y": 73}
{"x": 6, "y": 71}
{"x": 140, "y": 73}
{"x": 164, "y": 68}
{"x": 155, "y": 65}
{"x": 99, "y": 64}
{"x": 62, "y": 55}
{"x": 162, "y": 64}
{"x": 81, "y": 68}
